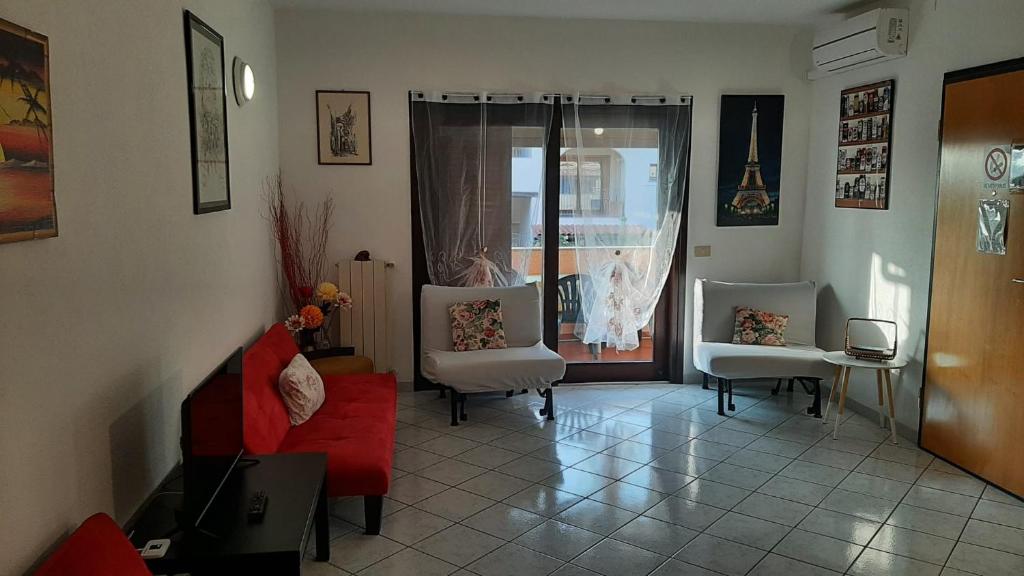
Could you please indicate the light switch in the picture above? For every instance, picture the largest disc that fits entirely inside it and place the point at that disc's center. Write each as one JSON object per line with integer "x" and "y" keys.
{"x": 702, "y": 251}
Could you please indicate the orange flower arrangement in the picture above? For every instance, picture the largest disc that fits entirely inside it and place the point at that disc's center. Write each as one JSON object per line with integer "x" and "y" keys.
{"x": 312, "y": 316}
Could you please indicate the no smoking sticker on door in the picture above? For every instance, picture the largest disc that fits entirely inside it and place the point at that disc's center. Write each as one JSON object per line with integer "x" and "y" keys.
{"x": 996, "y": 165}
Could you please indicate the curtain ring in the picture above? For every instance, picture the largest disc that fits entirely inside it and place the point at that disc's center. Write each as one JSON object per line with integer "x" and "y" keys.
{"x": 661, "y": 100}
{"x": 632, "y": 100}
{"x": 444, "y": 96}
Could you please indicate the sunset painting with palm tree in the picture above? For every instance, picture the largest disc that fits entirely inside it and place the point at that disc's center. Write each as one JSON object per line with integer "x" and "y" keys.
{"x": 27, "y": 208}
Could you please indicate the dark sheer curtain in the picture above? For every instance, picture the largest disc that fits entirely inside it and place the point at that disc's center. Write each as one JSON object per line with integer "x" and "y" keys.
{"x": 463, "y": 150}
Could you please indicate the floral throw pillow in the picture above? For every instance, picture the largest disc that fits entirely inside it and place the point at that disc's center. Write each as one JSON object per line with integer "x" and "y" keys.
{"x": 757, "y": 327}
{"x": 476, "y": 325}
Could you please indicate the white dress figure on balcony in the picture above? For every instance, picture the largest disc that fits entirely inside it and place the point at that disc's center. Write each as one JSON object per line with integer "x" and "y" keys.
{"x": 614, "y": 314}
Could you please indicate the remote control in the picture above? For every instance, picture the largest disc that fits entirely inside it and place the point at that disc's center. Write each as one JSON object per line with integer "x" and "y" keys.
{"x": 257, "y": 506}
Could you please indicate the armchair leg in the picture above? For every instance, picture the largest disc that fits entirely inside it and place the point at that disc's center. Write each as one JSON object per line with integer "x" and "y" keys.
{"x": 373, "y": 508}
{"x": 549, "y": 404}
{"x": 462, "y": 406}
{"x": 704, "y": 386}
{"x": 778, "y": 386}
{"x": 815, "y": 408}
{"x": 732, "y": 407}
{"x": 721, "y": 396}
{"x": 789, "y": 387}
{"x": 441, "y": 395}
{"x": 455, "y": 407}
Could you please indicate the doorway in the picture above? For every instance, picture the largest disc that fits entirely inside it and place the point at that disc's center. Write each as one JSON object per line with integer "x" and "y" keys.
{"x": 575, "y": 208}
{"x": 972, "y": 403}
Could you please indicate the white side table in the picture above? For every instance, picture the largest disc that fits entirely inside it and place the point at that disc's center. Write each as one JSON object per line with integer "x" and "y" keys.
{"x": 844, "y": 365}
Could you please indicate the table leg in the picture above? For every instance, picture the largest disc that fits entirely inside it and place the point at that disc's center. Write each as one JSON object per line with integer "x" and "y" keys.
{"x": 323, "y": 528}
{"x": 841, "y": 404}
{"x": 832, "y": 392}
{"x": 881, "y": 402}
{"x": 892, "y": 405}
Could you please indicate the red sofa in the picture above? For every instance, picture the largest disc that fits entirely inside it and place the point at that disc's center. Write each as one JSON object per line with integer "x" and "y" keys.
{"x": 355, "y": 427}
{"x": 97, "y": 548}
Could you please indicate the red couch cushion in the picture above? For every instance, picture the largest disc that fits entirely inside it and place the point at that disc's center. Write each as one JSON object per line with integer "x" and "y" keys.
{"x": 96, "y": 548}
{"x": 266, "y": 418}
{"x": 356, "y": 428}
{"x": 281, "y": 343}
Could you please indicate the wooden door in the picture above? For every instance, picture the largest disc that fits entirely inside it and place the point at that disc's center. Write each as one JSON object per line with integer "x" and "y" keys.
{"x": 973, "y": 402}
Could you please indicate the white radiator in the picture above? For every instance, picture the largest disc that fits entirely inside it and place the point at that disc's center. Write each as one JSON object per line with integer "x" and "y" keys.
{"x": 365, "y": 326}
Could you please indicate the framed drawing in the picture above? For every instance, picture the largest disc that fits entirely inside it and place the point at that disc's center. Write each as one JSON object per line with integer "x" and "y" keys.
{"x": 865, "y": 146}
{"x": 27, "y": 206}
{"x": 208, "y": 116}
{"x": 749, "y": 160}
{"x": 343, "y": 127}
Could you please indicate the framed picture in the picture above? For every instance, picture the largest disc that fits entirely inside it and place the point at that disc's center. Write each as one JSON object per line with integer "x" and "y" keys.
{"x": 865, "y": 146}
{"x": 27, "y": 207}
{"x": 749, "y": 160}
{"x": 1016, "y": 181}
{"x": 208, "y": 116}
{"x": 343, "y": 127}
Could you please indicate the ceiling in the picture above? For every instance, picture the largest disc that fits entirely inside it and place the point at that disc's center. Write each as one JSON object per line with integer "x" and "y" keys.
{"x": 747, "y": 11}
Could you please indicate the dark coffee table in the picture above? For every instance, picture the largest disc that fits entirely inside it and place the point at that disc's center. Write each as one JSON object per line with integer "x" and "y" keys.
{"x": 296, "y": 488}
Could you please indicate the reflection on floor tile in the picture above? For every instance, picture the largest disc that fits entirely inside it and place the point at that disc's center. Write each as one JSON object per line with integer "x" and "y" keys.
{"x": 648, "y": 479}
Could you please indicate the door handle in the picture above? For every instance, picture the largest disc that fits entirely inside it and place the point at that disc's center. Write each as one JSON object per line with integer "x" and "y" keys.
{"x": 1017, "y": 280}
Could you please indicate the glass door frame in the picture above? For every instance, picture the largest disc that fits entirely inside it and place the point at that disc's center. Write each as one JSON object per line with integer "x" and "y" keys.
{"x": 669, "y": 315}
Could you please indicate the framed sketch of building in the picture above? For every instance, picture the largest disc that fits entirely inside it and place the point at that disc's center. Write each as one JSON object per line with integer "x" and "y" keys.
{"x": 208, "y": 116}
{"x": 343, "y": 127}
{"x": 865, "y": 146}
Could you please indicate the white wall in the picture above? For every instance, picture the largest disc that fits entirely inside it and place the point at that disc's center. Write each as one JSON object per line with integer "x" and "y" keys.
{"x": 104, "y": 328}
{"x": 877, "y": 264}
{"x": 392, "y": 54}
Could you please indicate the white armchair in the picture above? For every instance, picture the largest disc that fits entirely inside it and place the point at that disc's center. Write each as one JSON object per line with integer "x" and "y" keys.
{"x": 526, "y": 363}
{"x": 714, "y": 354}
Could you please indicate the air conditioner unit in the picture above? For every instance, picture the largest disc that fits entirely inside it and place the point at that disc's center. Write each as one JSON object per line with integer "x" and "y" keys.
{"x": 872, "y": 37}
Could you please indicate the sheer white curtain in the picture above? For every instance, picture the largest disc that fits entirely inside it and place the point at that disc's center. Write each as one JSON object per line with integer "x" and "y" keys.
{"x": 623, "y": 168}
{"x": 480, "y": 182}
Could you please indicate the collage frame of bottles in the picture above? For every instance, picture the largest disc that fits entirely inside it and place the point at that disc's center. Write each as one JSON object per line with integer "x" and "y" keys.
{"x": 865, "y": 130}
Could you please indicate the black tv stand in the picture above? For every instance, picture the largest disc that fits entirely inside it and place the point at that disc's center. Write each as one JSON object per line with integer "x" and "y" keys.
{"x": 225, "y": 542}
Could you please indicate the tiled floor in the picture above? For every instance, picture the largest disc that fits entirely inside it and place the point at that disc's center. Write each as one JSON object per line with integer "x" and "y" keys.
{"x": 648, "y": 479}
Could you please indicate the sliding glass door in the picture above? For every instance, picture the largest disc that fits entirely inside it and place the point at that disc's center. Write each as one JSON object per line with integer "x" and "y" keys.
{"x": 585, "y": 198}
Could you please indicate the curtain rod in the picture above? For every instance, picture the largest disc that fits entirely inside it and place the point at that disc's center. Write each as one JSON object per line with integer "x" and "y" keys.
{"x": 466, "y": 97}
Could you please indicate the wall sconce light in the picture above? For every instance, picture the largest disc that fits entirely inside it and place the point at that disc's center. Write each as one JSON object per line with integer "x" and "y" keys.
{"x": 245, "y": 81}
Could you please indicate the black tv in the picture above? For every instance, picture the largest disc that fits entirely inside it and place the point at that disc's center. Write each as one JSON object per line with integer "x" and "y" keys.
{"x": 211, "y": 436}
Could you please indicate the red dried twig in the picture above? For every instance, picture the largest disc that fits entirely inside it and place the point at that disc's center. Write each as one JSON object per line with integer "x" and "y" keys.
{"x": 301, "y": 237}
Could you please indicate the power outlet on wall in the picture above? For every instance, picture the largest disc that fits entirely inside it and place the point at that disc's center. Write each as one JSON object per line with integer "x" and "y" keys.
{"x": 702, "y": 251}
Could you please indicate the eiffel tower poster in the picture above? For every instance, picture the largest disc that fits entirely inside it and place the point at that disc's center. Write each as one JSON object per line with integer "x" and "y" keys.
{"x": 749, "y": 160}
